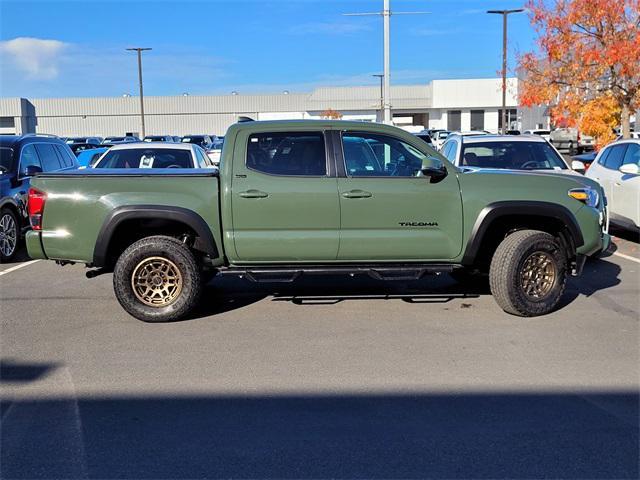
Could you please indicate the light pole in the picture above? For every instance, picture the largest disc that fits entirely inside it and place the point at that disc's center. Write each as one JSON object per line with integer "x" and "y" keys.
{"x": 381, "y": 77}
{"x": 140, "y": 50}
{"x": 386, "y": 88}
{"x": 504, "y": 14}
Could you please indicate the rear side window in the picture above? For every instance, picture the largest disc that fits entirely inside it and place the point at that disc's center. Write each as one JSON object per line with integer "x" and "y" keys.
{"x": 48, "y": 157}
{"x": 146, "y": 158}
{"x": 299, "y": 153}
{"x": 614, "y": 159}
{"x": 65, "y": 156}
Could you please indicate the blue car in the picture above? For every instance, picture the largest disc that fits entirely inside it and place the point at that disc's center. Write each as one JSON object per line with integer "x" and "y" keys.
{"x": 21, "y": 157}
{"x": 88, "y": 158}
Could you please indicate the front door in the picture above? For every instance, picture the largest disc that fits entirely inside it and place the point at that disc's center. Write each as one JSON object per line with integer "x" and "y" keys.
{"x": 388, "y": 211}
{"x": 626, "y": 187}
{"x": 284, "y": 198}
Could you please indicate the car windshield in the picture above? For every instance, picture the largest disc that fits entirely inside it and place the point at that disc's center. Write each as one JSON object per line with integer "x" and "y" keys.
{"x": 113, "y": 139}
{"x": 6, "y": 159}
{"x": 146, "y": 158}
{"x": 512, "y": 155}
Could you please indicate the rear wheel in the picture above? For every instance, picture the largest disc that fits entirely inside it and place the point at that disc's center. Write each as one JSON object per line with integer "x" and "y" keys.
{"x": 528, "y": 273}
{"x": 9, "y": 234}
{"x": 157, "y": 279}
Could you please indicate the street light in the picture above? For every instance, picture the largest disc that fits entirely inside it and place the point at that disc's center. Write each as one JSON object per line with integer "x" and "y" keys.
{"x": 139, "y": 51}
{"x": 386, "y": 89}
{"x": 504, "y": 14}
{"x": 381, "y": 77}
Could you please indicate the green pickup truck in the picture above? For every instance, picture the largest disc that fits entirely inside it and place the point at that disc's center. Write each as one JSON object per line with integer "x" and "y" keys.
{"x": 298, "y": 198}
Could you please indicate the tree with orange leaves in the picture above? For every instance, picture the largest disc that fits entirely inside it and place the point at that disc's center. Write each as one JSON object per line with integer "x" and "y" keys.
{"x": 331, "y": 114}
{"x": 587, "y": 66}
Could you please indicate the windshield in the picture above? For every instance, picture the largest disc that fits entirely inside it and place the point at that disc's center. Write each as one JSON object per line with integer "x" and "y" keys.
{"x": 512, "y": 155}
{"x": 146, "y": 158}
{"x": 113, "y": 139}
{"x": 6, "y": 159}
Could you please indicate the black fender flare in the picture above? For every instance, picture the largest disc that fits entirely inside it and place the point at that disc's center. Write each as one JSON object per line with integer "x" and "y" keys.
{"x": 118, "y": 215}
{"x": 524, "y": 208}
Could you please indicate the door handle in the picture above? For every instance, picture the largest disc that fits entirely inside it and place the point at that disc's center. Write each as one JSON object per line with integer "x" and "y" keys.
{"x": 618, "y": 184}
{"x": 357, "y": 194}
{"x": 254, "y": 194}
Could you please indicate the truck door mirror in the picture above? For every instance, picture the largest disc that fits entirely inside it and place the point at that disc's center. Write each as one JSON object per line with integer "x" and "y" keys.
{"x": 434, "y": 169}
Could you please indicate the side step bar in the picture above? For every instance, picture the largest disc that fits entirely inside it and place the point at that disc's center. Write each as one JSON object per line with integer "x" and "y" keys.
{"x": 403, "y": 272}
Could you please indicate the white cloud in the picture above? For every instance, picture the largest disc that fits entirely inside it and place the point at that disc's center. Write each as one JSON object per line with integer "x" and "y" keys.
{"x": 36, "y": 57}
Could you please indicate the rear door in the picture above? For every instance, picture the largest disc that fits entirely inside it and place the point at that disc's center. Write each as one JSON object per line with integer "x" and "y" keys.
{"x": 388, "y": 211}
{"x": 284, "y": 197}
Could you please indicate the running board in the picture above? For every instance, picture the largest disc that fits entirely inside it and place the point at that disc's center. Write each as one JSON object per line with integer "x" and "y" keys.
{"x": 404, "y": 272}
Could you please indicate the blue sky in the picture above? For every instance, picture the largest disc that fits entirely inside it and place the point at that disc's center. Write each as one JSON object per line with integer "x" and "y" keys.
{"x": 76, "y": 48}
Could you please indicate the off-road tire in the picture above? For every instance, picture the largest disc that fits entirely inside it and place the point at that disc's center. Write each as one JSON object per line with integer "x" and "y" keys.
{"x": 12, "y": 217}
{"x": 167, "y": 248}
{"x": 506, "y": 272}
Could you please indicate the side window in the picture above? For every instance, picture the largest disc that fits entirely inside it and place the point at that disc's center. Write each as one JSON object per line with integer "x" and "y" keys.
{"x": 374, "y": 155}
{"x": 632, "y": 155}
{"x": 445, "y": 149}
{"x": 300, "y": 153}
{"x": 203, "y": 158}
{"x": 614, "y": 159}
{"x": 29, "y": 157}
{"x": 48, "y": 157}
{"x": 65, "y": 156}
{"x": 603, "y": 157}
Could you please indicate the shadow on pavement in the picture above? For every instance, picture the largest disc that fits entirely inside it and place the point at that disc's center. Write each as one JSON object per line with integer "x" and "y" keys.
{"x": 228, "y": 293}
{"x": 482, "y": 435}
{"x": 16, "y": 372}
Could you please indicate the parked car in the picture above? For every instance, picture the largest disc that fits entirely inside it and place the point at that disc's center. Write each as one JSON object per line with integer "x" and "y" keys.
{"x": 154, "y": 155}
{"x": 158, "y": 138}
{"x": 617, "y": 169}
{"x": 424, "y": 135}
{"x": 89, "y": 140}
{"x": 506, "y": 152}
{"x": 382, "y": 203}
{"x": 203, "y": 141}
{"x": 439, "y": 138}
{"x": 586, "y": 158}
{"x": 177, "y": 139}
{"x": 512, "y": 132}
{"x": 215, "y": 152}
{"x": 76, "y": 148}
{"x": 546, "y": 134}
{"x": 634, "y": 135}
{"x": 571, "y": 140}
{"x": 88, "y": 158}
{"x": 21, "y": 157}
{"x": 124, "y": 139}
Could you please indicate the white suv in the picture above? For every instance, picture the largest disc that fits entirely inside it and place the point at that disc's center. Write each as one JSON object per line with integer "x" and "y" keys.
{"x": 617, "y": 169}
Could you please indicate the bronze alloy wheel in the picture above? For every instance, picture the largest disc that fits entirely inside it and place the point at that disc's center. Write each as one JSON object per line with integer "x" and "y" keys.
{"x": 156, "y": 281}
{"x": 538, "y": 275}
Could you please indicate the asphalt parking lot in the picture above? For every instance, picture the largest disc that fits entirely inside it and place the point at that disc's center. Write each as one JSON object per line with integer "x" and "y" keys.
{"x": 345, "y": 379}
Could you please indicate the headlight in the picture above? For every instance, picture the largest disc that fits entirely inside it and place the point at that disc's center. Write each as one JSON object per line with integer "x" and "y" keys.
{"x": 586, "y": 195}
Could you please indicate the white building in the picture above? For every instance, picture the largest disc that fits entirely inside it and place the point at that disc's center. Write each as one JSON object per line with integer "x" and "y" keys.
{"x": 449, "y": 104}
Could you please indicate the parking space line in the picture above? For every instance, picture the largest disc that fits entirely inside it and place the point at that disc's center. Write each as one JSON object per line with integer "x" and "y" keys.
{"x": 627, "y": 257}
{"x": 18, "y": 267}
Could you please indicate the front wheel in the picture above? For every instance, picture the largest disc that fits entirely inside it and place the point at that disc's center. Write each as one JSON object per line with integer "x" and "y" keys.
{"x": 157, "y": 279}
{"x": 528, "y": 273}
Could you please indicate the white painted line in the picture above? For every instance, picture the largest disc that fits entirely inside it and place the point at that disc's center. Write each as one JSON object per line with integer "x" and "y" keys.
{"x": 18, "y": 267}
{"x": 627, "y": 257}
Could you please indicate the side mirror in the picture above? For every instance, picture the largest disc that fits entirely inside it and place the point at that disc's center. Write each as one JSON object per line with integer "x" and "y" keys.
{"x": 578, "y": 165}
{"x": 434, "y": 169}
{"x": 630, "y": 169}
{"x": 31, "y": 171}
